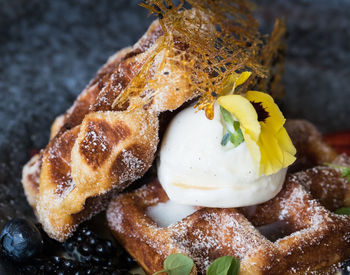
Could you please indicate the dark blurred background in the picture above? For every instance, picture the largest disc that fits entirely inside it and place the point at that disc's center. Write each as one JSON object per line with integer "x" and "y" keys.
{"x": 49, "y": 50}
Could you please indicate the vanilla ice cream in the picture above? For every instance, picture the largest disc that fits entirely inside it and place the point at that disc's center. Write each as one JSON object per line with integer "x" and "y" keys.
{"x": 195, "y": 169}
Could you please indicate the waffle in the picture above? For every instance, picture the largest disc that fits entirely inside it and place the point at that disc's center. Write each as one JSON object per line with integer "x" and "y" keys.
{"x": 280, "y": 236}
{"x": 97, "y": 149}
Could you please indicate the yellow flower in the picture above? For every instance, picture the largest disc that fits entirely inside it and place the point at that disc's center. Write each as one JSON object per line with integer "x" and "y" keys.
{"x": 234, "y": 80}
{"x": 261, "y": 123}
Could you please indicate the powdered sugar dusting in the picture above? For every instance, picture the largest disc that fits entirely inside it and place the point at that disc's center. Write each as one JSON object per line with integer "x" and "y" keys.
{"x": 115, "y": 217}
{"x": 133, "y": 164}
{"x": 96, "y": 140}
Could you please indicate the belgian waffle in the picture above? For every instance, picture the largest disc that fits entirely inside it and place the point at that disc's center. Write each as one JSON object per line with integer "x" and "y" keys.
{"x": 301, "y": 212}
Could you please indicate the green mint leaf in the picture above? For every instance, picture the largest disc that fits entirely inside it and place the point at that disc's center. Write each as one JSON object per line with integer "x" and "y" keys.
{"x": 343, "y": 211}
{"x": 178, "y": 264}
{"x": 226, "y": 265}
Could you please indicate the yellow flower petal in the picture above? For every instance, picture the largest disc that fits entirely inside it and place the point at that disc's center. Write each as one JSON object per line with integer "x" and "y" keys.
{"x": 244, "y": 112}
{"x": 242, "y": 78}
{"x": 271, "y": 154}
{"x": 288, "y": 159}
{"x": 265, "y": 167}
{"x": 276, "y": 120}
{"x": 229, "y": 84}
{"x": 234, "y": 80}
{"x": 253, "y": 150}
{"x": 285, "y": 141}
{"x": 287, "y": 146}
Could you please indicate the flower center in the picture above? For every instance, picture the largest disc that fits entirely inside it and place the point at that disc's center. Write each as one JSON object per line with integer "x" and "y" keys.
{"x": 260, "y": 110}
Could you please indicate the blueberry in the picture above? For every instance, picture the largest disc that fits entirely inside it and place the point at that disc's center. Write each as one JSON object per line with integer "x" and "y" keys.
{"x": 20, "y": 239}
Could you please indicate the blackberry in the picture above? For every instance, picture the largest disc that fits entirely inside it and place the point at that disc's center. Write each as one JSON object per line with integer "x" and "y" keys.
{"x": 87, "y": 247}
{"x": 61, "y": 265}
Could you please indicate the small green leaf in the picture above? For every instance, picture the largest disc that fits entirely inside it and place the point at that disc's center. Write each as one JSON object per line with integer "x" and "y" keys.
{"x": 233, "y": 131}
{"x": 178, "y": 264}
{"x": 236, "y": 138}
{"x": 343, "y": 211}
{"x": 226, "y": 265}
{"x": 226, "y": 116}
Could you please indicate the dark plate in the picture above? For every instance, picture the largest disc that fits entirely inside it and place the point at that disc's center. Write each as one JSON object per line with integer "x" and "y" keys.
{"x": 49, "y": 50}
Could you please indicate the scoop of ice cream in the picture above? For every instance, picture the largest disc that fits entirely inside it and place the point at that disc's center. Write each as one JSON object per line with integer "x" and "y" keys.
{"x": 195, "y": 169}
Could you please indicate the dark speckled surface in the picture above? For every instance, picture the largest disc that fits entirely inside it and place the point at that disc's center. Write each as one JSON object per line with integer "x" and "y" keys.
{"x": 49, "y": 50}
